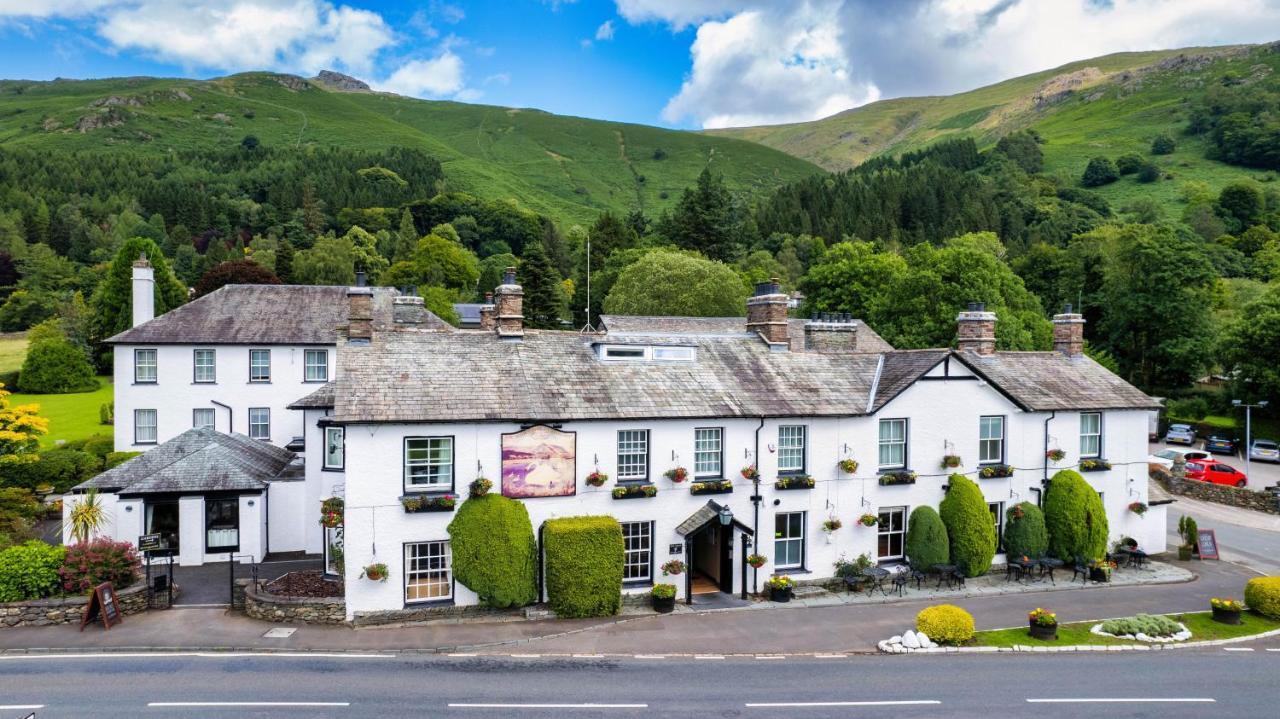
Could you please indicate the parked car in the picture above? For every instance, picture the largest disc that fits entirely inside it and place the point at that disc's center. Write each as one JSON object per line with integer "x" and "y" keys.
{"x": 1216, "y": 473}
{"x": 1180, "y": 434}
{"x": 1165, "y": 457}
{"x": 1220, "y": 444}
{"x": 1264, "y": 450}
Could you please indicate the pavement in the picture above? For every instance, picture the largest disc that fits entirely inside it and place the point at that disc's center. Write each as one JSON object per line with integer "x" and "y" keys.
{"x": 1116, "y": 685}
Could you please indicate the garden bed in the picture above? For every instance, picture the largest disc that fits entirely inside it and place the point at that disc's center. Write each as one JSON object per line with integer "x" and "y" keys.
{"x": 311, "y": 583}
{"x": 1201, "y": 624}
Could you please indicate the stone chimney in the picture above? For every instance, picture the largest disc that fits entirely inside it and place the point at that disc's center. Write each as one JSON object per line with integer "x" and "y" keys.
{"x": 831, "y": 333}
{"x": 767, "y": 313}
{"x": 976, "y": 329}
{"x": 509, "y": 307}
{"x": 488, "y": 322}
{"x": 359, "y": 314}
{"x": 408, "y": 311}
{"x": 1068, "y": 332}
{"x": 144, "y": 291}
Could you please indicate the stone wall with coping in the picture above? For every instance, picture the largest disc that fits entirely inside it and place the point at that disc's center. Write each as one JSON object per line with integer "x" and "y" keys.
{"x": 259, "y": 604}
{"x": 67, "y": 610}
{"x": 1221, "y": 494}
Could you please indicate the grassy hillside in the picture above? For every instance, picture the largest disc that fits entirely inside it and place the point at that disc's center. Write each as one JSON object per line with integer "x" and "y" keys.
{"x": 1104, "y": 106}
{"x": 569, "y": 168}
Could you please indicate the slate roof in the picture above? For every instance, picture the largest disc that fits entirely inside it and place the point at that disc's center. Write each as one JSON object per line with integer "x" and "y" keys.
{"x": 420, "y": 376}
{"x": 262, "y": 314}
{"x": 706, "y": 514}
{"x": 320, "y": 399}
{"x": 200, "y": 460}
{"x": 867, "y": 339}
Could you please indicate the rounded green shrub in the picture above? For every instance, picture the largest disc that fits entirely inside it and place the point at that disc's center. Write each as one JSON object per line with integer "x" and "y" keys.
{"x": 30, "y": 571}
{"x": 55, "y": 366}
{"x": 494, "y": 552}
{"x": 1024, "y": 532}
{"x": 1262, "y": 594}
{"x": 583, "y": 566}
{"x": 945, "y": 624}
{"x": 59, "y": 468}
{"x": 927, "y": 542}
{"x": 1075, "y": 518}
{"x": 970, "y": 530}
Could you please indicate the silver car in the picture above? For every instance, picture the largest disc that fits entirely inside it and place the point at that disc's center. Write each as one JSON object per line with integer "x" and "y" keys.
{"x": 1180, "y": 434}
{"x": 1264, "y": 450}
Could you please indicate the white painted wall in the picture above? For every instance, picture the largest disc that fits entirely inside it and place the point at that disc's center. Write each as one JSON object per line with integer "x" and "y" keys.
{"x": 175, "y": 395}
{"x": 377, "y": 526}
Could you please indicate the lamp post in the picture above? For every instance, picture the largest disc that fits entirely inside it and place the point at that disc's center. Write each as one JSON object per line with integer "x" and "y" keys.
{"x": 1248, "y": 430}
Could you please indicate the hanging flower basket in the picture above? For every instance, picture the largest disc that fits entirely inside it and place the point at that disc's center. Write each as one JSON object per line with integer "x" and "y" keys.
{"x": 951, "y": 461}
{"x": 634, "y": 491}
{"x": 375, "y": 572}
{"x": 750, "y": 472}
{"x": 1138, "y": 508}
{"x": 1055, "y": 455}
{"x": 676, "y": 474}
{"x": 868, "y": 520}
{"x": 831, "y": 525}
{"x": 480, "y": 487}
{"x": 672, "y": 567}
{"x": 995, "y": 471}
{"x": 597, "y": 479}
{"x": 849, "y": 466}
{"x": 331, "y": 512}
{"x": 756, "y": 560}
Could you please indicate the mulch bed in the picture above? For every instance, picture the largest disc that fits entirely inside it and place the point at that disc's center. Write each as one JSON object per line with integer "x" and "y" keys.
{"x": 305, "y": 584}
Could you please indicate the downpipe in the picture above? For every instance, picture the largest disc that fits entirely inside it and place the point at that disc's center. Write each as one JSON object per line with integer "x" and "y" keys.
{"x": 755, "y": 500}
{"x": 1044, "y": 480}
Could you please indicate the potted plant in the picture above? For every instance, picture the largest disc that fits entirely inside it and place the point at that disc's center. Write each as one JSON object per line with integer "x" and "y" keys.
{"x": 331, "y": 513}
{"x": 1044, "y": 624}
{"x": 375, "y": 572}
{"x": 664, "y": 598}
{"x": 676, "y": 474}
{"x": 1189, "y": 531}
{"x": 1138, "y": 508}
{"x": 832, "y": 524}
{"x": 950, "y": 461}
{"x": 849, "y": 465}
{"x": 1226, "y": 611}
{"x": 1055, "y": 455}
{"x": 756, "y": 560}
{"x": 597, "y": 478}
{"x": 780, "y": 587}
{"x": 868, "y": 520}
{"x": 750, "y": 472}
{"x": 846, "y": 570}
{"x": 1100, "y": 570}
{"x": 480, "y": 487}
{"x": 673, "y": 566}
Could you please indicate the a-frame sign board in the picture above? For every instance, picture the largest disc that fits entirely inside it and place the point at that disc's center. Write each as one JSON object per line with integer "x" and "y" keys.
{"x": 102, "y": 603}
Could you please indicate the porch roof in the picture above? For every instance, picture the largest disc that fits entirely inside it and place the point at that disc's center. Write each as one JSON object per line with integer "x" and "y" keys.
{"x": 706, "y": 514}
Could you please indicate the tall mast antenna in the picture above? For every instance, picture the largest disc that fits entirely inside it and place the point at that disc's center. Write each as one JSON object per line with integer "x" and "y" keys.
{"x": 587, "y": 310}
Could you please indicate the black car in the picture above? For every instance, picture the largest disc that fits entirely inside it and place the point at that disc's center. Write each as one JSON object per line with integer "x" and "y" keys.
{"x": 1219, "y": 444}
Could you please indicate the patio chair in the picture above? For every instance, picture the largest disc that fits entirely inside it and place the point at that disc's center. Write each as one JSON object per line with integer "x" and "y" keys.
{"x": 900, "y": 579}
{"x": 1080, "y": 569}
{"x": 915, "y": 573}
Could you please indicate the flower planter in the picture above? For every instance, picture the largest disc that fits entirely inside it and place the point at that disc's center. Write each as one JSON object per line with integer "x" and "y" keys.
{"x": 717, "y": 487}
{"x": 787, "y": 483}
{"x": 892, "y": 478}
{"x": 418, "y": 505}
{"x": 1094, "y": 465}
{"x": 664, "y": 605}
{"x": 1044, "y": 632}
{"x": 1226, "y": 616}
{"x": 635, "y": 491}
{"x": 780, "y": 595}
{"x": 995, "y": 471}
{"x": 1099, "y": 575}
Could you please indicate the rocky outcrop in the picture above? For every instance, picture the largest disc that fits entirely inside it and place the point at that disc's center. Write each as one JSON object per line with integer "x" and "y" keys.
{"x": 338, "y": 81}
{"x": 112, "y": 117}
{"x": 293, "y": 82}
{"x": 1061, "y": 87}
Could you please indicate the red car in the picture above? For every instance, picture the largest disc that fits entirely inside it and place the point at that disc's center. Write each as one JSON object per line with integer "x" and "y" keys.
{"x": 1217, "y": 473}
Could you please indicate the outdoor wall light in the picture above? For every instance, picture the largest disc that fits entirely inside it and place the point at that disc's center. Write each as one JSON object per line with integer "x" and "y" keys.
{"x": 726, "y": 516}
{"x": 250, "y": 503}
{"x": 128, "y": 507}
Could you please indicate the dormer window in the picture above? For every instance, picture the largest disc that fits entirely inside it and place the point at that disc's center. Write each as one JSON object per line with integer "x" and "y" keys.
{"x": 645, "y": 353}
{"x": 625, "y": 353}
{"x": 673, "y": 354}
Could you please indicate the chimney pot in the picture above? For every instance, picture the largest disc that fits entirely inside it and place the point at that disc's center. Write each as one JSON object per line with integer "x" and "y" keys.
{"x": 767, "y": 313}
{"x": 509, "y": 307}
{"x": 509, "y": 276}
{"x": 362, "y": 279}
{"x": 976, "y": 329}
{"x": 359, "y": 313}
{"x": 1068, "y": 332}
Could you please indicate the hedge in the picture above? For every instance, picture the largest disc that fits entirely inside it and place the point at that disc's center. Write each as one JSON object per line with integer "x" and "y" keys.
{"x": 969, "y": 527}
{"x": 1075, "y": 518}
{"x": 55, "y": 366}
{"x": 945, "y": 623}
{"x": 494, "y": 552}
{"x": 583, "y": 566}
{"x": 927, "y": 542}
{"x": 29, "y": 571}
{"x": 1262, "y": 594}
{"x": 60, "y": 468}
{"x": 1024, "y": 532}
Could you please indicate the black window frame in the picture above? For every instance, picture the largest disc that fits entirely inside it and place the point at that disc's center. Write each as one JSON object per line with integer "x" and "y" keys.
{"x": 804, "y": 451}
{"x": 195, "y": 378}
{"x": 646, "y": 581}
{"x": 324, "y": 448}
{"x": 156, "y": 412}
{"x": 155, "y": 352}
{"x": 906, "y": 444}
{"x": 1004, "y": 439}
{"x": 209, "y": 502}
{"x": 250, "y": 423}
{"x": 404, "y": 467}
{"x": 260, "y": 381}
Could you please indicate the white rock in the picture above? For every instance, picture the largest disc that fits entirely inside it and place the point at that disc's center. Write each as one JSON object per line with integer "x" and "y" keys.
{"x": 910, "y": 641}
{"x": 923, "y": 639}
{"x": 895, "y": 639}
{"x": 1142, "y": 637}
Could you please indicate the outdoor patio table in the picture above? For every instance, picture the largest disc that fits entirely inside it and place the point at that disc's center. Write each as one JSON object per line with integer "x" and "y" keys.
{"x": 1024, "y": 567}
{"x": 1137, "y": 558}
{"x": 1047, "y": 565}
{"x": 947, "y": 572}
{"x": 877, "y": 575}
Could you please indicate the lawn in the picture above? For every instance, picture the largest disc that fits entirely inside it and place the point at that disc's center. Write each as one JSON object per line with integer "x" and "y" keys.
{"x": 1201, "y": 624}
{"x": 71, "y": 416}
{"x": 13, "y": 349}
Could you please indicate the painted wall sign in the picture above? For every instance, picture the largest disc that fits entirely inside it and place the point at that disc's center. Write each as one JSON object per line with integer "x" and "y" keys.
{"x": 539, "y": 462}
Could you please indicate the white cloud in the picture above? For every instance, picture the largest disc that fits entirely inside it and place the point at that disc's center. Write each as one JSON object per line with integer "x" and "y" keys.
{"x": 500, "y": 78}
{"x": 605, "y": 31}
{"x": 51, "y": 8}
{"x": 437, "y": 77}
{"x": 680, "y": 14}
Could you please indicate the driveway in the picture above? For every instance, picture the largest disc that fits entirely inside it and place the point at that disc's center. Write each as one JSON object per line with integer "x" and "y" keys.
{"x": 1261, "y": 474}
{"x": 210, "y": 584}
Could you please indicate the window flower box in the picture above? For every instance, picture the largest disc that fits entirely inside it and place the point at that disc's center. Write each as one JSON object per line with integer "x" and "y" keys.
{"x": 416, "y": 504}
{"x": 634, "y": 491}
{"x": 995, "y": 471}
{"x": 801, "y": 481}
{"x": 714, "y": 486}
{"x": 1094, "y": 465}
{"x": 905, "y": 476}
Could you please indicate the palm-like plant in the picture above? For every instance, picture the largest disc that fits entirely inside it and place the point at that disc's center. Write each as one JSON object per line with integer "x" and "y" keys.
{"x": 87, "y": 517}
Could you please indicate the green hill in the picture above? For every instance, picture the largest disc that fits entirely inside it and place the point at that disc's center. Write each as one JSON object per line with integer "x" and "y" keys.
{"x": 1103, "y": 106}
{"x": 566, "y": 167}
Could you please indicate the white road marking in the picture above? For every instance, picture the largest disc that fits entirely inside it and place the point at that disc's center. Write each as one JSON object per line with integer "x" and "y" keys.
{"x": 1273, "y": 650}
{"x": 1237, "y": 649}
{"x": 651, "y": 656}
{"x": 462, "y": 655}
{"x": 1124, "y": 700}
{"x": 830, "y": 656}
{"x": 526, "y": 656}
{"x": 199, "y": 655}
{"x": 886, "y": 703}
{"x": 548, "y": 706}
{"x": 768, "y": 657}
{"x": 708, "y": 656}
{"x": 179, "y": 705}
{"x": 588, "y": 656}
{"x": 20, "y": 707}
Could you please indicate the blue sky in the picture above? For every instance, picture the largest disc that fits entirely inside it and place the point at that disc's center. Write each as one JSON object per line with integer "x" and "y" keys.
{"x": 678, "y": 63}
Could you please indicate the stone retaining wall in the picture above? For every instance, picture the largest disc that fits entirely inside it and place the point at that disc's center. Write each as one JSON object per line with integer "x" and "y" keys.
{"x": 1221, "y": 494}
{"x": 444, "y": 612}
{"x": 68, "y": 610}
{"x": 259, "y": 604}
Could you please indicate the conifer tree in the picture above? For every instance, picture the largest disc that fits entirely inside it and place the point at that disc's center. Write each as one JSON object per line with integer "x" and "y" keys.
{"x": 543, "y": 294}
{"x": 112, "y": 301}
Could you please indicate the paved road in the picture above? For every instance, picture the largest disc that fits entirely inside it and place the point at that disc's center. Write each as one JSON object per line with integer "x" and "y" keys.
{"x": 1188, "y": 683}
{"x": 1248, "y": 538}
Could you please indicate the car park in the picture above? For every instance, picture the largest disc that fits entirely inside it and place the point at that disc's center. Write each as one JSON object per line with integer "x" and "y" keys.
{"x": 1165, "y": 457}
{"x": 1180, "y": 434}
{"x": 1264, "y": 450}
{"x": 1216, "y": 473}
{"x": 1219, "y": 444}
